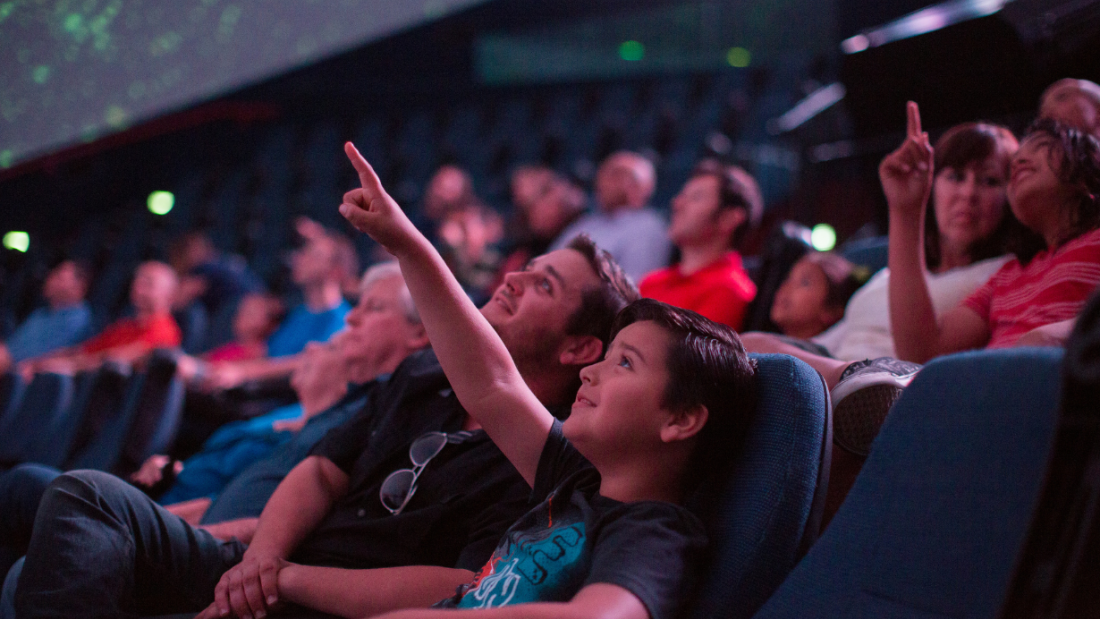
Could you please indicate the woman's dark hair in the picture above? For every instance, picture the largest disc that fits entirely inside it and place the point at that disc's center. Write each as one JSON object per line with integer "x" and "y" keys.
{"x": 707, "y": 365}
{"x": 842, "y": 277}
{"x": 736, "y": 189}
{"x": 963, "y": 146}
{"x": 1077, "y": 163}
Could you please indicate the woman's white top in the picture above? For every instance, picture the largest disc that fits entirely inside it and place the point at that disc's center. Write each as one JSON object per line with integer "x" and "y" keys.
{"x": 864, "y": 332}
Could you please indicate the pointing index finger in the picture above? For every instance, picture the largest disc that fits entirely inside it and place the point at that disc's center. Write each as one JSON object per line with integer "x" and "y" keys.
{"x": 914, "y": 119}
{"x": 367, "y": 177}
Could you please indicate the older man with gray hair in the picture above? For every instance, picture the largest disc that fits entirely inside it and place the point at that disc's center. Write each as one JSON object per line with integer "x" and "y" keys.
{"x": 633, "y": 233}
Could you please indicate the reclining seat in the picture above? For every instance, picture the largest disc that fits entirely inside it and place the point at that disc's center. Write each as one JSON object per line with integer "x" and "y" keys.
{"x": 45, "y": 399}
{"x": 765, "y": 512}
{"x": 934, "y": 522}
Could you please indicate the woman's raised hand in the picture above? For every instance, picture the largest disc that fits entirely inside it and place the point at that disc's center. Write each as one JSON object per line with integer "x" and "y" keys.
{"x": 371, "y": 210}
{"x": 906, "y": 173}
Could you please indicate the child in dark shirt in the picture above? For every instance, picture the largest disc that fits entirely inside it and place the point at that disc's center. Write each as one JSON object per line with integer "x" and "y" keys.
{"x": 672, "y": 396}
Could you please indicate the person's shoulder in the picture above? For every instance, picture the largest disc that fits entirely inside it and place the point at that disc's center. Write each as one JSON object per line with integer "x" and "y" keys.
{"x": 1088, "y": 243}
{"x": 660, "y": 514}
{"x": 655, "y": 278}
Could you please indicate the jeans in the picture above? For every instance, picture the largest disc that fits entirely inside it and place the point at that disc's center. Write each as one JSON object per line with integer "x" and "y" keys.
{"x": 20, "y": 491}
{"x": 102, "y": 548}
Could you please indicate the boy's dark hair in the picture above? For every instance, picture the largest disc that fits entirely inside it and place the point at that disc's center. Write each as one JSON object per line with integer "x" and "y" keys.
{"x": 841, "y": 276}
{"x": 736, "y": 189}
{"x": 601, "y": 303}
{"x": 707, "y": 365}
{"x": 963, "y": 146}
{"x": 1078, "y": 164}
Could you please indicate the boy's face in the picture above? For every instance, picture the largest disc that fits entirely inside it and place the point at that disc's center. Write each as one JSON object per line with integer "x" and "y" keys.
{"x": 531, "y": 309}
{"x": 618, "y": 407}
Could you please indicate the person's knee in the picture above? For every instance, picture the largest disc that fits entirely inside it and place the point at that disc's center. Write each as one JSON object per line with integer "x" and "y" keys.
{"x": 86, "y": 487}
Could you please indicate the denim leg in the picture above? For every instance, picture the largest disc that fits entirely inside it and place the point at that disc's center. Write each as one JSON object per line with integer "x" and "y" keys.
{"x": 20, "y": 491}
{"x": 102, "y": 548}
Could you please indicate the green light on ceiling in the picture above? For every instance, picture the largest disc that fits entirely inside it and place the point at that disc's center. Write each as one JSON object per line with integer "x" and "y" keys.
{"x": 631, "y": 50}
{"x": 40, "y": 74}
{"x": 17, "y": 241}
{"x": 823, "y": 237}
{"x": 161, "y": 202}
{"x": 738, "y": 57}
{"x": 7, "y": 157}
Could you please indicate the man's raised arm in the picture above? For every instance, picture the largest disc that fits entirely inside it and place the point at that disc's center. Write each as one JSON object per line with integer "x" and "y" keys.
{"x": 476, "y": 361}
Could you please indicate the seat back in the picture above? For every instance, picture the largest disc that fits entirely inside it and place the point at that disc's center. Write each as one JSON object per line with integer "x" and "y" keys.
{"x": 870, "y": 252}
{"x": 105, "y": 427}
{"x": 45, "y": 399}
{"x": 98, "y": 394}
{"x": 763, "y": 515}
{"x": 937, "y": 516}
{"x": 11, "y": 393}
{"x": 1057, "y": 574}
{"x": 147, "y": 420}
{"x": 157, "y": 417}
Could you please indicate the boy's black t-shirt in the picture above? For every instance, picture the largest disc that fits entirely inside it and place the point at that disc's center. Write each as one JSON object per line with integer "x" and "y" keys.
{"x": 574, "y": 537}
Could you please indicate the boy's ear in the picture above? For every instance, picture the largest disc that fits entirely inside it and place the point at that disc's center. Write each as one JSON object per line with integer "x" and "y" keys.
{"x": 685, "y": 423}
{"x": 581, "y": 350}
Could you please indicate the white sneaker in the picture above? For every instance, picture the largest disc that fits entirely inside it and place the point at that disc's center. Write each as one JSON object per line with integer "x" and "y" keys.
{"x": 863, "y": 397}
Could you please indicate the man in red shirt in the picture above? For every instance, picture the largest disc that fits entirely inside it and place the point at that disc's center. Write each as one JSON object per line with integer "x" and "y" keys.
{"x": 710, "y": 216}
{"x": 128, "y": 339}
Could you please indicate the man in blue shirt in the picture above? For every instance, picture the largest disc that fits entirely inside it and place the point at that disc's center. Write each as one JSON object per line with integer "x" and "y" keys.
{"x": 63, "y": 322}
{"x": 319, "y": 269}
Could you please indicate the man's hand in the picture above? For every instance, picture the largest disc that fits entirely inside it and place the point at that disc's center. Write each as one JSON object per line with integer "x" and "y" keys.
{"x": 249, "y": 589}
{"x": 372, "y": 210}
{"x": 152, "y": 470}
{"x": 223, "y": 376}
{"x": 906, "y": 173}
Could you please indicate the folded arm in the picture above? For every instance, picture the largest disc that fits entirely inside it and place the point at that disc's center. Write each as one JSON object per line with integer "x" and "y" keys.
{"x": 602, "y": 601}
{"x": 364, "y": 593}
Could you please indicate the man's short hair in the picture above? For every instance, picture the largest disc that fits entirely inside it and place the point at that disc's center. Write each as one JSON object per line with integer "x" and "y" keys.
{"x": 385, "y": 270}
{"x": 600, "y": 303}
{"x": 707, "y": 365}
{"x": 736, "y": 189}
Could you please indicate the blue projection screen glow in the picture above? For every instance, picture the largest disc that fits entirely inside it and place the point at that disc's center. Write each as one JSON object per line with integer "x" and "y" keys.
{"x": 75, "y": 70}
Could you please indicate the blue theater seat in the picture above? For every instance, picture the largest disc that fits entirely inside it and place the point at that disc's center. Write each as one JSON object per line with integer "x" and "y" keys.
{"x": 144, "y": 424}
{"x": 939, "y": 513}
{"x": 767, "y": 512}
{"x": 11, "y": 393}
{"x": 47, "y": 398}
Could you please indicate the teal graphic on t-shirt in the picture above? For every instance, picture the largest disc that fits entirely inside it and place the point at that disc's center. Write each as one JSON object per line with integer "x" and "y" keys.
{"x": 532, "y": 566}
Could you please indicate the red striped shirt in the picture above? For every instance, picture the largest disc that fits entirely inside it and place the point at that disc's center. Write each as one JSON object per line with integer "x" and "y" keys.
{"x": 1052, "y": 287}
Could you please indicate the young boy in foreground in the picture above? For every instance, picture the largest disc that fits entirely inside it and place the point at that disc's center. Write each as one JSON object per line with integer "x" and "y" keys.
{"x": 607, "y": 534}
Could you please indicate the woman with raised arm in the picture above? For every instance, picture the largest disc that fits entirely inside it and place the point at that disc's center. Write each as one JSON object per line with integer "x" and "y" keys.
{"x": 1053, "y": 190}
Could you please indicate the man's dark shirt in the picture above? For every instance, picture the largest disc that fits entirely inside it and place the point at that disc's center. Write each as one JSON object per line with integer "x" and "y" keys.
{"x": 466, "y": 497}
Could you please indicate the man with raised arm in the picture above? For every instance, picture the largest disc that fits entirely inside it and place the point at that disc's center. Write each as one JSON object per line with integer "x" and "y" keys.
{"x": 410, "y": 487}
{"x": 607, "y": 535}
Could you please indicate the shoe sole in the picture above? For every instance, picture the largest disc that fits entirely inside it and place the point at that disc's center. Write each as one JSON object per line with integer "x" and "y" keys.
{"x": 858, "y": 417}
